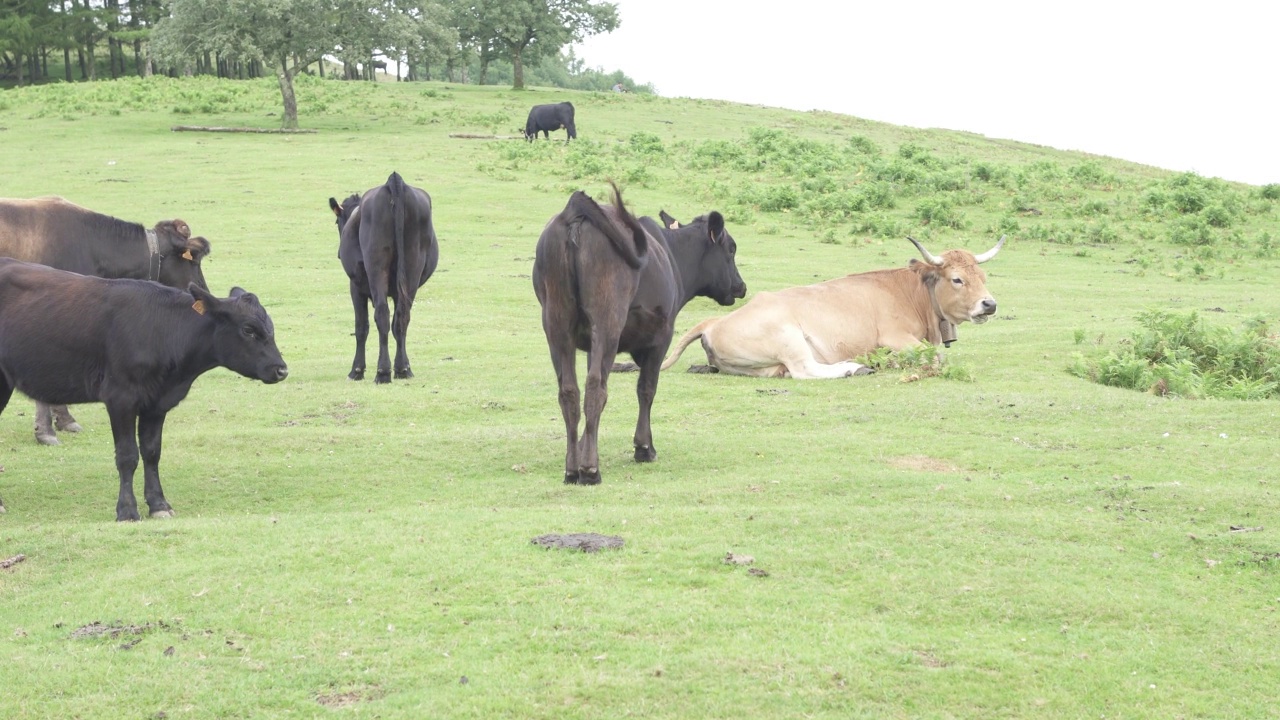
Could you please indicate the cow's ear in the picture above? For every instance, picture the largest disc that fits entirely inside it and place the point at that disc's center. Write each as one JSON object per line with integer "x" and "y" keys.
{"x": 204, "y": 300}
{"x": 335, "y": 207}
{"x": 182, "y": 228}
{"x": 670, "y": 222}
{"x": 715, "y": 225}
{"x": 195, "y": 249}
{"x": 928, "y": 272}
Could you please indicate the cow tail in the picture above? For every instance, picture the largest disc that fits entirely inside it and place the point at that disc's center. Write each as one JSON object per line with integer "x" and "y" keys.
{"x": 395, "y": 185}
{"x": 698, "y": 331}
{"x": 632, "y": 250}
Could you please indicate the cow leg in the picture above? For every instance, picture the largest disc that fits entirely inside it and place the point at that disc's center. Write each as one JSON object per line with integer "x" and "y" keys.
{"x": 381, "y": 318}
{"x": 797, "y": 355}
{"x": 650, "y": 362}
{"x": 604, "y": 348}
{"x": 6, "y": 391}
{"x": 124, "y": 424}
{"x": 63, "y": 420}
{"x": 400, "y": 330}
{"x": 45, "y": 434}
{"x": 360, "y": 302}
{"x": 564, "y": 360}
{"x": 150, "y": 431}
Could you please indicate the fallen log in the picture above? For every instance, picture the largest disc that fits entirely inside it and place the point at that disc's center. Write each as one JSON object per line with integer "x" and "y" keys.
{"x": 212, "y": 128}
{"x": 473, "y": 136}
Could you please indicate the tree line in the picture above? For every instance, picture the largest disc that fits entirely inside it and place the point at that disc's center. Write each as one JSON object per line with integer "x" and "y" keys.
{"x": 456, "y": 40}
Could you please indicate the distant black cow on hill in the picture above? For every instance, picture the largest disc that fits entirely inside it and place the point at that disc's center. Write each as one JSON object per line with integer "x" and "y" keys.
{"x": 548, "y": 118}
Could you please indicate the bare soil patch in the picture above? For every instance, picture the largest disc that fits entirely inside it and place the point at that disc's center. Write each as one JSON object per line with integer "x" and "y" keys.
{"x": 923, "y": 463}
{"x": 114, "y": 630}
{"x": 586, "y": 542}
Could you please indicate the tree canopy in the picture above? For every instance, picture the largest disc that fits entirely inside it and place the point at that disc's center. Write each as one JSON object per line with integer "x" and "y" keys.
{"x": 253, "y": 38}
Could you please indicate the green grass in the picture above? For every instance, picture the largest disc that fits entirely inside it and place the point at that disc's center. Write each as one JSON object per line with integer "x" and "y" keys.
{"x": 1023, "y": 543}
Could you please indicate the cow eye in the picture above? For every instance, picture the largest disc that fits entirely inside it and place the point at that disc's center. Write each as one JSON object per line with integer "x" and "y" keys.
{"x": 249, "y": 332}
{"x": 957, "y": 281}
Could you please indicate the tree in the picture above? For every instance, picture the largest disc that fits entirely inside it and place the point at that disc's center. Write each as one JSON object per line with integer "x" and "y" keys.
{"x": 287, "y": 35}
{"x": 529, "y": 30}
{"x": 25, "y": 26}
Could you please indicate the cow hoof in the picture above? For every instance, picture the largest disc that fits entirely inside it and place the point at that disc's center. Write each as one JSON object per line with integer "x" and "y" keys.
{"x": 625, "y": 367}
{"x": 571, "y": 478}
{"x": 355, "y": 375}
{"x": 48, "y": 439}
{"x": 404, "y": 374}
{"x": 71, "y": 427}
{"x": 646, "y": 454}
{"x": 864, "y": 370}
{"x": 382, "y": 378}
{"x": 163, "y": 513}
{"x": 588, "y": 476}
{"x": 126, "y": 517}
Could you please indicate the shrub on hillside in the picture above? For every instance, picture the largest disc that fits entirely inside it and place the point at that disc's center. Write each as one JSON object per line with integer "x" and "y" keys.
{"x": 1181, "y": 355}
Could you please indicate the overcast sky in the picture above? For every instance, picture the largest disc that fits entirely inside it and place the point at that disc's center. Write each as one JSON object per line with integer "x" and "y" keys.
{"x": 1179, "y": 85}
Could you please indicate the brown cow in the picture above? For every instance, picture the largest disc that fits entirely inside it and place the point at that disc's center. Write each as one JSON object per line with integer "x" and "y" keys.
{"x": 815, "y": 331}
{"x": 54, "y": 232}
{"x": 609, "y": 283}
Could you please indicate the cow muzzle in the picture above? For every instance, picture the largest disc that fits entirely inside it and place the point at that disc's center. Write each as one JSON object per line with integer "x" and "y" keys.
{"x": 275, "y": 374}
{"x": 984, "y": 312}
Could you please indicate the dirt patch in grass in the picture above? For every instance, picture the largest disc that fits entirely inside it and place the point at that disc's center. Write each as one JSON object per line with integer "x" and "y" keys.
{"x": 586, "y": 542}
{"x": 923, "y": 463}
{"x": 930, "y": 660}
{"x": 349, "y": 697}
{"x": 114, "y": 630}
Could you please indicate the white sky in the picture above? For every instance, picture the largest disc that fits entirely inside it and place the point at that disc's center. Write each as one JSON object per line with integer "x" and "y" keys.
{"x": 1178, "y": 85}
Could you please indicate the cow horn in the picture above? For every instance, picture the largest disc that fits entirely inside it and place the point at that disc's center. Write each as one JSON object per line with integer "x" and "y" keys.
{"x": 933, "y": 259}
{"x": 990, "y": 253}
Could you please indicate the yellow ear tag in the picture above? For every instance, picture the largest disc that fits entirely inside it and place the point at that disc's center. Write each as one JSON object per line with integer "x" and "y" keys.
{"x": 198, "y": 306}
{"x": 187, "y": 255}
{"x": 675, "y": 225}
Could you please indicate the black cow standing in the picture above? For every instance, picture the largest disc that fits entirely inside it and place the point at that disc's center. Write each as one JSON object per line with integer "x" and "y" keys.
{"x": 54, "y": 232}
{"x": 132, "y": 345}
{"x": 547, "y": 118}
{"x": 388, "y": 248}
{"x": 606, "y": 285}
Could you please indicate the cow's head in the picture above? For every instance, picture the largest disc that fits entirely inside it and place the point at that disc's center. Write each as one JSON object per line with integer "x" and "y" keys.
{"x": 179, "y": 254}
{"x": 718, "y": 276}
{"x": 343, "y": 212}
{"x": 244, "y": 338}
{"x": 956, "y": 283}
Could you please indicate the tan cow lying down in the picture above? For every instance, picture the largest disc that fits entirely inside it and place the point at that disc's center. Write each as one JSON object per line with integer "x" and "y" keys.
{"x": 815, "y": 331}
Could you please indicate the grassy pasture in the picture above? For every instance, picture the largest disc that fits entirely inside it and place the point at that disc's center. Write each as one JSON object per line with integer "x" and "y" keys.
{"x": 1027, "y": 544}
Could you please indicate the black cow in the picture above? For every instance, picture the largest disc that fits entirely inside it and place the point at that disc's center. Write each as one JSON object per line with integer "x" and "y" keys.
{"x": 54, "y": 232}
{"x": 388, "y": 248}
{"x": 609, "y": 283}
{"x": 133, "y": 345}
{"x": 546, "y": 118}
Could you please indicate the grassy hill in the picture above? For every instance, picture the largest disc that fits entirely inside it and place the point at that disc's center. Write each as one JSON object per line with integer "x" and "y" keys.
{"x": 1028, "y": 543}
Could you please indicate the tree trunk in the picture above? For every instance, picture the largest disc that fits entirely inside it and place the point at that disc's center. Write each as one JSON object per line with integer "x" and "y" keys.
{"x": 484, "y": 70}
{"x": 290, "y": 119}
{"x": 518, "y": 68}
{"x": 66, "y": 50}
